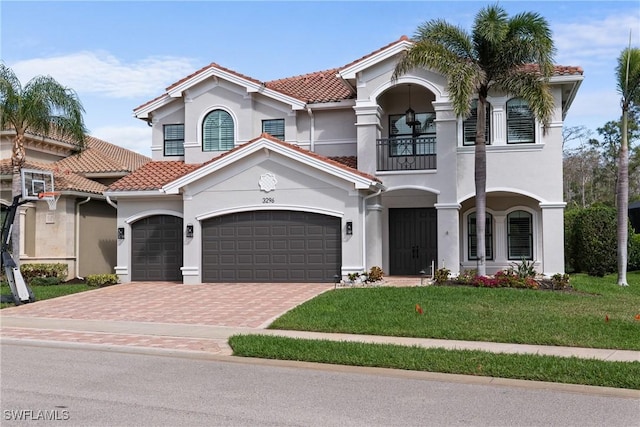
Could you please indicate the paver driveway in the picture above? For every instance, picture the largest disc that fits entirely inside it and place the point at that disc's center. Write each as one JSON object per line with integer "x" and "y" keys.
{"x": 156, "y": 314}
{"x": 251, "y": 305}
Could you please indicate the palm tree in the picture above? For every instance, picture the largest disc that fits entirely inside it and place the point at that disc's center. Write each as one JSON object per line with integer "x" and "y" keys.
{"x": 628, "y": 76}
{"x": 514, "y": 55}
{"x": 43, "y": 105}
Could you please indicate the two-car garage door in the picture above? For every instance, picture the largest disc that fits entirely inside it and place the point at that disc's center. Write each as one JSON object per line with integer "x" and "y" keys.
{"x": 271, "y": 246}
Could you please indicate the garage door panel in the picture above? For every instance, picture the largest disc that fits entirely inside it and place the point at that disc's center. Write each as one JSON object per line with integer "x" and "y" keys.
{"x": 156, "y": 248}
{"x": 285, "y": 247}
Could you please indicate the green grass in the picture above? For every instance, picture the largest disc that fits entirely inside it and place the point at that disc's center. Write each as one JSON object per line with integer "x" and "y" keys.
{"x": 47, "y": 292}
{"x": 480, "y": 314}
{"x": 467, "y": 362}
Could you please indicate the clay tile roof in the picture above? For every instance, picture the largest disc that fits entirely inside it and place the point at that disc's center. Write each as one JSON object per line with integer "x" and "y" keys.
{"x": 102, "y": 157}
{"x": 153, "y": 175}
{"x": 558, "y": 70}
{"x": 321, "y": 86}
{"x": 63, "y": 180}
{"x": 350, "y": 161}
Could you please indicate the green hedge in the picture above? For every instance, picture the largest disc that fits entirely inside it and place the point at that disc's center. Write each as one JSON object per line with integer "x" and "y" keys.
{"x": 100, "y": 280}
{"x": 32, "y": 271}
{"x": 591, "y": 242}
{"x": 634, "y": 253}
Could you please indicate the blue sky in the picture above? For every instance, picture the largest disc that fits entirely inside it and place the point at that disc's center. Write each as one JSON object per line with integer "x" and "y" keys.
{"x": 120, "y": 54}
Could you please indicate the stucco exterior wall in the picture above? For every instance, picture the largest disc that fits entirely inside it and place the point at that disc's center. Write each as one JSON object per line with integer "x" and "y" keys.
{"x": 97, "y": 244}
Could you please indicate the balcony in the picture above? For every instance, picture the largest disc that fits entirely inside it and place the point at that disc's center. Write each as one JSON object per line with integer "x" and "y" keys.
{"x": 395, "y": 154}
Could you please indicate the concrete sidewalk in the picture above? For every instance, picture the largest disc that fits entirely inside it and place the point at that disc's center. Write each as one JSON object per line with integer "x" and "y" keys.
{"x": 213, "y": 339}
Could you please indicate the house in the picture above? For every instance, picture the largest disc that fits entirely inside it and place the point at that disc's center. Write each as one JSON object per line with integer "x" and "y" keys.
{"x": 312, "y": 177}
{"x": 80, "y": 229}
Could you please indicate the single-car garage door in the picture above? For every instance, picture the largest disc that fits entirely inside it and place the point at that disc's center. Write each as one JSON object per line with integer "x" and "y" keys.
{"x": 156, "y": 251}
{"x": 271, "y": 246}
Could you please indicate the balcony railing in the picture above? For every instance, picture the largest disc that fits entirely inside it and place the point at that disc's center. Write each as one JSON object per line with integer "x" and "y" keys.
{"x": 406, "y": 153}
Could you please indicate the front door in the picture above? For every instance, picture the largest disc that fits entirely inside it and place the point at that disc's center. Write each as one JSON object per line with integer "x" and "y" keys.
{"x": 413, "y": 242}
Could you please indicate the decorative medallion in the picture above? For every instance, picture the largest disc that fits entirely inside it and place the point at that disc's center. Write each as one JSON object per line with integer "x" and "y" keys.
{"x": 267, "y": 182}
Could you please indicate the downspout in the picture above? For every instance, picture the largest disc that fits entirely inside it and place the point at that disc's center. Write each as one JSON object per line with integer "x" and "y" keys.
{"x": 111, "y": 202}
{"x": 77, "y": 237}
{"x": 312, "y": 130}
{"x": 364, "y": 225}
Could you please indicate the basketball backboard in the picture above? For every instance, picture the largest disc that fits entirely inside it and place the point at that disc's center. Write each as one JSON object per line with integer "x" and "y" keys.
{"x": 35, "y": 182}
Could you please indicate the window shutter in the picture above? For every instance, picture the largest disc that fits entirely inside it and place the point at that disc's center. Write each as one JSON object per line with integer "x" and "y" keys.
{"x": 217, "y": 131}
{"x": 470, "y": 124}
{"x": 473, "y": 240}
{"x": 274, "y": 128}
{"x": 520, "y": 235}
{"x": 174, "y": 140}
{"x": 520, "y": 122}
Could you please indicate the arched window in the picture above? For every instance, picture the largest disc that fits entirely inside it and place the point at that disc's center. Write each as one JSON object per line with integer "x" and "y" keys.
{"x": 520, "y": 122}
{"x": 469, "y": 125}
{"x": 472, "y": 241}
{"x": 217, "y": 131}
{"x": 520, "y": 235}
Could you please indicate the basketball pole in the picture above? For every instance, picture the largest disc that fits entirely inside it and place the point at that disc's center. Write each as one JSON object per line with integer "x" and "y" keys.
{"x": 20, "y": 291}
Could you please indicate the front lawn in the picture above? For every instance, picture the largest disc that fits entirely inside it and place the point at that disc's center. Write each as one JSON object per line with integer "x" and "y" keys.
{"x": 598, "y": 313}
{"x": 47, "y": 292}
{"x": 568, "y": 370}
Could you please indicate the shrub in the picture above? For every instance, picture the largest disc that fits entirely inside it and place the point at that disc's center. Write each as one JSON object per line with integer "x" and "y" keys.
{"x": 594, "y": 242}
{"x": 44, "y": 281}
{"x": 441, "y": 276}
{"x": 31, "y": 271}
{"x": 560, "y": 281}
{"x": 634, "y": 252}
{"x": 375, "y": 274}
{"x": 101, "y": 280}
{"x": 570, "y": 237}
{"x": 524, "y": 269}
{"x": 466, "y": 277}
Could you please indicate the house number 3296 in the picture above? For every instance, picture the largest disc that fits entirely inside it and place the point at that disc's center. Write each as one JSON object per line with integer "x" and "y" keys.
{"x": 268, "y": 200}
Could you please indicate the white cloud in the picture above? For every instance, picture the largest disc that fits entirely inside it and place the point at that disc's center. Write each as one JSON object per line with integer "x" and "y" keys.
{"x": 134, "y": 138}
{"x": 104, "y": 74}
{"x": 595, "y": 42}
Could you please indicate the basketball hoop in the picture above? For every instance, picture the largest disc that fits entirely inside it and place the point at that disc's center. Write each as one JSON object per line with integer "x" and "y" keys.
{"x": 51, "y": 197}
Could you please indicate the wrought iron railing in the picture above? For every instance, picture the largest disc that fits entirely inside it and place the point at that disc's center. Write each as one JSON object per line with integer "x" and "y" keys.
{"x": 406, "y": 153}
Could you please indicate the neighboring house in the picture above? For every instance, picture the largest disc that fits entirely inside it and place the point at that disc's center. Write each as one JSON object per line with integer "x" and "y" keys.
{"x": 320, "y": 175}
{"x": 81, "y": 231}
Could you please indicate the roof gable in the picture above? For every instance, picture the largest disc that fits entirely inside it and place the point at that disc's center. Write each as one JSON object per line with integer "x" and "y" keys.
{"x": 266, "y": 142}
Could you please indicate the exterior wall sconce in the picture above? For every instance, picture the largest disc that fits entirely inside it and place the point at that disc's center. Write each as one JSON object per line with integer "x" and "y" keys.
{"x": 189, "y": 230}
{"x": 349, "y": 228}
{"x": 120, "y": 233}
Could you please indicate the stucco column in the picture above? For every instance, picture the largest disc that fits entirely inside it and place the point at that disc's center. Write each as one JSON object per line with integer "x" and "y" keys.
{"x": 373, "y": 243}
{"x": 552, "y": 238}
{"x": 192, "y": 248}
{"x": 449, "y": 236}
{"x": 368, "y": 131}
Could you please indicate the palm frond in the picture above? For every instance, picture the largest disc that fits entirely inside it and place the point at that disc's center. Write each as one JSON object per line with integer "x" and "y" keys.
{"x": 47, "y": 103}
{"x": 533, "y": 89}
{"x": 10, "y": 89}
{"x": 452, "y": 38}
{"x": 628, "y": 75}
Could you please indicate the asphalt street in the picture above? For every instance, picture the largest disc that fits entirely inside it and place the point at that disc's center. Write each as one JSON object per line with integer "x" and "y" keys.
{"x": 91, "y": 386}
